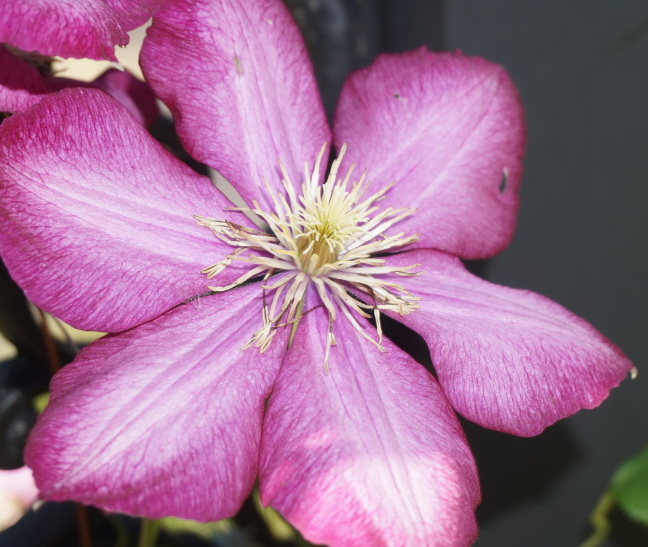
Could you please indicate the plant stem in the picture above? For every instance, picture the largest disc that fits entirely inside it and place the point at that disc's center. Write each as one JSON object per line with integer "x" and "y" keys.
{"x": 50, "y": 345}
{"x": 148, "y": 533}
{"x": 599, "y": 521}
{"x": 83, "y": 526}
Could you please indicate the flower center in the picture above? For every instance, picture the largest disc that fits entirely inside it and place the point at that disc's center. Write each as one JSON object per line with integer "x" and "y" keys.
{"x": 326, "y": 238}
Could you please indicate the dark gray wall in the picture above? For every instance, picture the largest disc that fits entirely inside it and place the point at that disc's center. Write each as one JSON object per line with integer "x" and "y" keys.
{"x": 582, "y": 71}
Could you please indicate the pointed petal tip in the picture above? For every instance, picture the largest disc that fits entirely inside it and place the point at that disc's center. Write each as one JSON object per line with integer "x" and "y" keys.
{"x": 508, "y": 359}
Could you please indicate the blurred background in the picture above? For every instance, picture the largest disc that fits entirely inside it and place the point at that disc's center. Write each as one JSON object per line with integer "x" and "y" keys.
{"x": 582, "y": 238}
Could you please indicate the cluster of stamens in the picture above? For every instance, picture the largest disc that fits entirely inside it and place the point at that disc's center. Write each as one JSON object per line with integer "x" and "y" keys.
{"x": 327, "y": 237}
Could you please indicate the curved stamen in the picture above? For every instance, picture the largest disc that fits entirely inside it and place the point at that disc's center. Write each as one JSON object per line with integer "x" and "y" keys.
{"x": 325, "y": 237}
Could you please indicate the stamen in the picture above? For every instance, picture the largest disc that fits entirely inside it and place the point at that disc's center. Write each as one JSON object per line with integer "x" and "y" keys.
{"x": 324, "y": 237}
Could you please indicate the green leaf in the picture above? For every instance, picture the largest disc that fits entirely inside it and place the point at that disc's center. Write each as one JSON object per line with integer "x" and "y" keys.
{"x": 41, "y": 401}
{"x": 148, "y": 533}
{"x": 278, "y": 527}
{"x": 630, "y": 487}
{"x": 204, "y": 530}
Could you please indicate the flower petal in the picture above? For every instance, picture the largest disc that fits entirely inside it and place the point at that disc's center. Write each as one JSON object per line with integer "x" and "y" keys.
{"x": 508, "y": 359}
{"x": 164, "y": 419}
{"x": 449, "y": 130}
{"x": 135, "y": 95}
{"x": 238, "y": 80}
{"x": 17, "y": 493}
{"x": 370, "y": 454}
{"x": 61, "y": 27}
{"x": 18, "y": 484}
{"x": 98, "y": 223}
{"x": 21, "y": 85}
{"x": 133, "y": 13}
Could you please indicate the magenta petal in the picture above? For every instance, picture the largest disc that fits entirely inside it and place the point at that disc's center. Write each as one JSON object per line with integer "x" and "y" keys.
{"x": 508, "y": 359}
{"x": 164, "y": 419}
{"x": 238, "y": 80}
{"x": 21, "y": 85}
{"x": 449, "y": 130}
{"x": 59, "y": 27}
{"x": 136, "y": 96}
{"x": 370, "y": 454}
{"x": 98, "y": 223}
{"x": 133, "y": 13}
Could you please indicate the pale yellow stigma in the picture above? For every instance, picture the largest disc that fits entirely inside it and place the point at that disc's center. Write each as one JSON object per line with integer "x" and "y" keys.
{"x": 325, "y": 238}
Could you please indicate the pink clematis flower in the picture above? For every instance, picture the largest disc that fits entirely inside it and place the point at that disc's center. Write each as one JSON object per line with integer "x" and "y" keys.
{"x": 273, "y": 372}
{"x": 22, "y": 86}
{"x": 91, "y": 28}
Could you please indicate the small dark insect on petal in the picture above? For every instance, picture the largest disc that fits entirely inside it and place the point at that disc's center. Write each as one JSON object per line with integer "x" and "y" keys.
{"x": 504, "y": 181}
{"x": 396, "y": 96}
